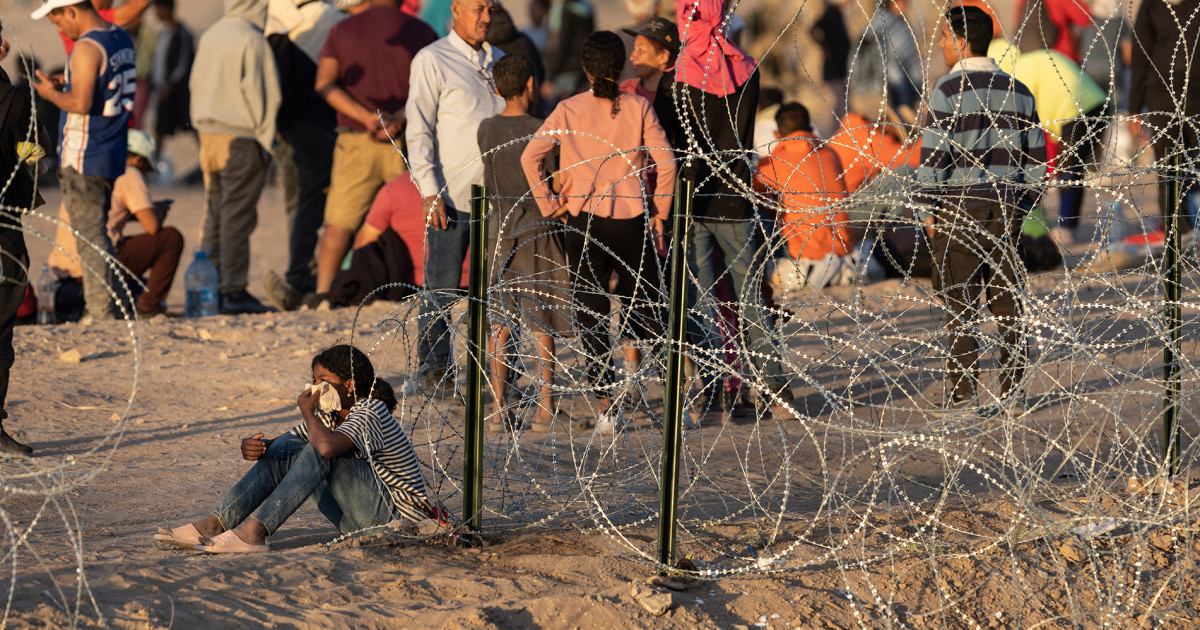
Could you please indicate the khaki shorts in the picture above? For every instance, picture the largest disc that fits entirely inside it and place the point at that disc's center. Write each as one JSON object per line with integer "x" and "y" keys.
{"x": 361, "y": 167}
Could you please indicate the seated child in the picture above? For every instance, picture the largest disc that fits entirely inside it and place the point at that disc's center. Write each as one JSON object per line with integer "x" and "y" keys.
{"x": 157, "y": 250}
{"x": 356, "y": 464}
{"x": 805, "y": 176}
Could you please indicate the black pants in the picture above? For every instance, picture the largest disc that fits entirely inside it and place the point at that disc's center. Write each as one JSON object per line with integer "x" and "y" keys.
{"x": 12, "y": 293}
{"x": 974, "y": 251}
{"x": 596, "y": 247}
{"x": 312, "y": 151}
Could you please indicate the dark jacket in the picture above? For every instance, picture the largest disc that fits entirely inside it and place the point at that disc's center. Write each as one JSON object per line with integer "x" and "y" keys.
{"x": 504, "y": 35}
{"x": 1159, "y": 67}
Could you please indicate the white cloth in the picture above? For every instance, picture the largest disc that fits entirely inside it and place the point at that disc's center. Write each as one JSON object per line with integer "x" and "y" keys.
{"x": 792, "y": 274}
{"x": 450, "y": 93}
{"x": 307, "y": 26}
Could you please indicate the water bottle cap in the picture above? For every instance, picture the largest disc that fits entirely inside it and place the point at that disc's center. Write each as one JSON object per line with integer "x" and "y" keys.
{"x": 201, "y": 251}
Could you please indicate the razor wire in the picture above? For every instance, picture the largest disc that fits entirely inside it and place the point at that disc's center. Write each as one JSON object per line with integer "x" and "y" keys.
{"x": 1065, "y": 496}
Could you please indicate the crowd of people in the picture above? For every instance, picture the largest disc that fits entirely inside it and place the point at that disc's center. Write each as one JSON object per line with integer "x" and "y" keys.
{"x": 387, "y": 113}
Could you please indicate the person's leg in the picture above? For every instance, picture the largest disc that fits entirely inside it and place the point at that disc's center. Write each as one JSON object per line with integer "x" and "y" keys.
{"x": 1005, "y": 289}
{"x": 353, "y": 183}
{"x": 157, "y": 253}
{"x": 87, "y": 200}
{"x": 12, "y": 292}
{"x": 352, "y": 497}
{"x": 956, "y": 279}
{"x": 314, "y": 162}
{"x": 446, "y": 250}
{"x": 545, "y": 344}
{"x": 214, "y": 154}
{"x": 243, "y": 178}
{"x": 702, "y": 322}
{"x": 498, "y": 348}
{"x": 249, "y": 493}
{"x": 736, "y": 240}
{"x": 591, "y": 268}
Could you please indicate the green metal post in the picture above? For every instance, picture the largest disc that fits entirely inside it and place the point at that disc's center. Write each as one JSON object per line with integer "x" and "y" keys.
{"x": 476, "y": 345}
{"x": 1174, "y": 317}
{"x": 668, "y": 494}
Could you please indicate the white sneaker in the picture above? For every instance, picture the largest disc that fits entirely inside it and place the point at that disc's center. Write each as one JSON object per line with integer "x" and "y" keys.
{"x": 610, "y": 421}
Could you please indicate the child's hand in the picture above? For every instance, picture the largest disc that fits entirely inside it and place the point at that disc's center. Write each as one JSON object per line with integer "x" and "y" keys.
{"x": 254, "y": 447}
{"x": 309, "y": 399}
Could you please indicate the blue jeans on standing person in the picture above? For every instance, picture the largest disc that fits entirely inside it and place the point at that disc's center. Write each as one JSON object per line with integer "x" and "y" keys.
{"x": 736, "y": 240}
{"x": 345, "y": 489}
{"x": 445, "y": 251}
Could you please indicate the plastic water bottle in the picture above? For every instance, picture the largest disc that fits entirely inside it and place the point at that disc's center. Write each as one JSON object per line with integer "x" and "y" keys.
{"x": 200, "y": 282}
{"x": 47, "y": 284}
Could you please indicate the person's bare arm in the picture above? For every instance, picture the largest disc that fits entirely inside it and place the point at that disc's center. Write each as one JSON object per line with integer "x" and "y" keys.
{"x": 85, "y": 69}
{"x": 148, "y": 218}
{"x": 367, "y": 234}
{"x": 328, "y": 87}
{"x": 329, "y": 443}
{"x": 129, "y": 12}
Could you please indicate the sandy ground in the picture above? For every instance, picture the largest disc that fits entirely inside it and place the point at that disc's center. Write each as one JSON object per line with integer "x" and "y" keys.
{"x": 865, "y": 513}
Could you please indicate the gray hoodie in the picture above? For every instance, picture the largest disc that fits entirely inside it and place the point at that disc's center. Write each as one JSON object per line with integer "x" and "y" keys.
{"x": 235, "y": 85}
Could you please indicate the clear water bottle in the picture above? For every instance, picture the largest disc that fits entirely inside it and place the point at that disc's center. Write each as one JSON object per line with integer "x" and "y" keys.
{"x": 200, "y": 282}
{"x": 47, "y": 284}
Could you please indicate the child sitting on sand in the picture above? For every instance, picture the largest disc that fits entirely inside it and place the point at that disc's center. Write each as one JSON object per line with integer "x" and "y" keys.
{"x": 356, "y": 464}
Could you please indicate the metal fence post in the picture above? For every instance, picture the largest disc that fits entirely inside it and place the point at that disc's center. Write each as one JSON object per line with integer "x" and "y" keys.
{"x": 476, "y": 344}
{"x": 674, "y": 400}
{"x": 1173, "y": 315}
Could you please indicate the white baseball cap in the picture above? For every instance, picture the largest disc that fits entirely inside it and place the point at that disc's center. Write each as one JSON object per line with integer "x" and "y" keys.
{"x": 50, "y": 5}
{"x": 140, "y": 143}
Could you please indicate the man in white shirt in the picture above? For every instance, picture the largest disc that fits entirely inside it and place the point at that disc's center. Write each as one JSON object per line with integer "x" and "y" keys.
{"x": 450, "y": 93}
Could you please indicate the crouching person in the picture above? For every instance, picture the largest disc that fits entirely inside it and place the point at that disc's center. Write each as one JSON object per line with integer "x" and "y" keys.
{"x": 350, "y": 457}
{"x": 805, "y": 177}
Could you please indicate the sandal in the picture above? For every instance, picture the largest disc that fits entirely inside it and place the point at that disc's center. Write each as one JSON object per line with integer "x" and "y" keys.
{"x": 229, "y": 542}
{"x": 186, "y": 536}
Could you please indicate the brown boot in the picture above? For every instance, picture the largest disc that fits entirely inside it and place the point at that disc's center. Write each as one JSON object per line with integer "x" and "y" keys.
{"x": 7, "y": 443}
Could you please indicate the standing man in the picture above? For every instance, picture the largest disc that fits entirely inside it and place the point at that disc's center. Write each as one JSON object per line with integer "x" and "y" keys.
{"x": 983, "y": 157}
{"x": 451, "y": 93}
{"x": 169, "y": 75}
{"x": 21, "y": 192}
{"x": 892, "y": 33}
{"x": 235, "y": 96}
{"x": 1162, "y": 90}
{"x": 306, "y": 125}
{"x": 96, "y": 99}
{"x": 718, "y": 85}
{"x": 363, "y": 73}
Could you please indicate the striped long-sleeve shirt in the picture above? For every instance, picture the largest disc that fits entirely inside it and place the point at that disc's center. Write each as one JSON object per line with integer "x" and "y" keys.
{"x": 379, "y": 439}
{"x": 982, "y": 143}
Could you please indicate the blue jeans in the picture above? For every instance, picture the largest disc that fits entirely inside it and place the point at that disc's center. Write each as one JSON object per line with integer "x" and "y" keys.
{"x": 736, "y": 240}
{"x": 445, "y": 252}
{"x": 345, "y": 489}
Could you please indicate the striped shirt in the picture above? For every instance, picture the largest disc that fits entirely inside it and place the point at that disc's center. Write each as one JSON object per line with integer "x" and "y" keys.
{"x": 379, "y": 439}
{"x": 982, "y": 143}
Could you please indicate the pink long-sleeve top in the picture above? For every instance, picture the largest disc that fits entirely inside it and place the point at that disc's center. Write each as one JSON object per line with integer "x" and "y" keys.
{"x": 707, "y": 60}
{"x": 603, "y": 159}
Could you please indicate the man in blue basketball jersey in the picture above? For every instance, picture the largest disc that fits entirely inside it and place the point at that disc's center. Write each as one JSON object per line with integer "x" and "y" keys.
{"x": 96, "y": 99}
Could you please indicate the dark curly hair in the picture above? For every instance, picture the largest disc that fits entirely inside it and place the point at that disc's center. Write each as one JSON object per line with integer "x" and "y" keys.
{"x": 511, "y": 73}
{"x": 604, "y": 59}
{"x": 348, "y": 362}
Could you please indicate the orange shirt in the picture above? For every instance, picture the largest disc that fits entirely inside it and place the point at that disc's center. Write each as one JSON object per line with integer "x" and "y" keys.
{"x": 807, "y": 178}
{"x": 864, "y": 150}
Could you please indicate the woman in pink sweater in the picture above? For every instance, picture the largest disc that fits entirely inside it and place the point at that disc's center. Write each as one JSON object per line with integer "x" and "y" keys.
{"x": 607, "y": 140}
